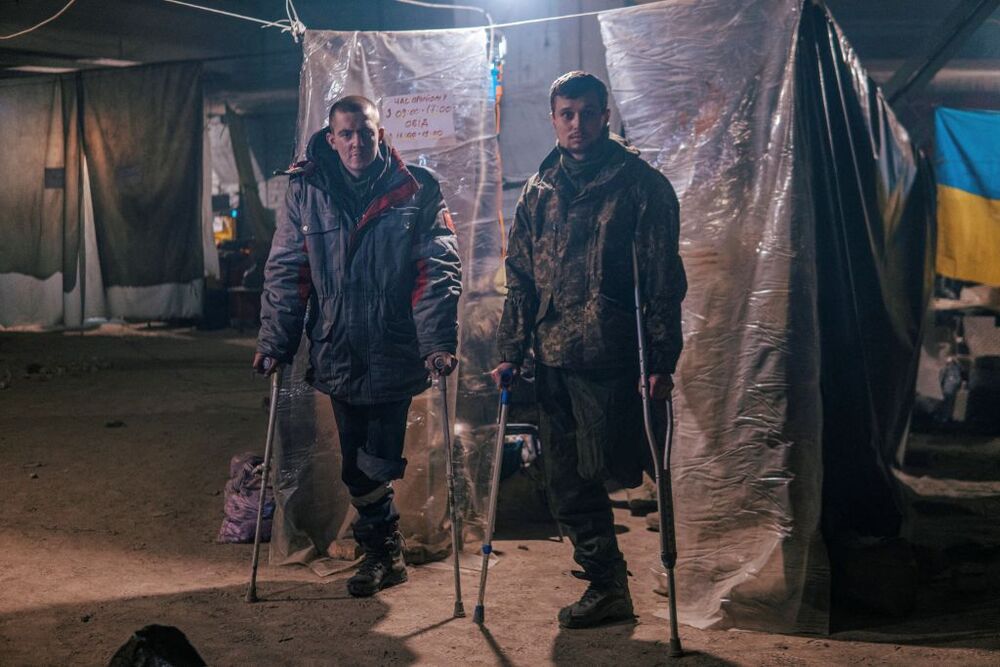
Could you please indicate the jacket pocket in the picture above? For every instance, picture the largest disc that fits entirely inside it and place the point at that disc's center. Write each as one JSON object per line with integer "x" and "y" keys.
{"x": 613, "y": 330}
{"x": 320, "y": 216}
{"x": 544, "y": 306}
{"x": 324, "y": 245}
{"x": 328, "y": 312}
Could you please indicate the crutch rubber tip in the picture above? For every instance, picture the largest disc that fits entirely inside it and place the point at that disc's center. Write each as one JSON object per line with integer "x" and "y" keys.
{"x": 251, "y": 595}
{"x": 478, "y": 614}
{"x": 675, "y": 648}
{"x": 459, "y": 610}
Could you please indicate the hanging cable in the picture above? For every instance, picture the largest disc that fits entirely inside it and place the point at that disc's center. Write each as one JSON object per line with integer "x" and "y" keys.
{"x": 284, "y": 24}
{"x": 298, "y": 28}
{"x": 39, "y": 25}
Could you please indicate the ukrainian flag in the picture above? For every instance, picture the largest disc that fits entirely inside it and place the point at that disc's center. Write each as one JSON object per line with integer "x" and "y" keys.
{"x": 968, "y": 173}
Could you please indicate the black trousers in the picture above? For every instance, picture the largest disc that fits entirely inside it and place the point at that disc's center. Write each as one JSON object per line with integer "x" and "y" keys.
{"x": 371, "y": 446}
{"x": 591, "y": 429}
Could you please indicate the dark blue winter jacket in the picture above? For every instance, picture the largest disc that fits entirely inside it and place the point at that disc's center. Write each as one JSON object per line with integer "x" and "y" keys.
{"x": 375, "y": 293}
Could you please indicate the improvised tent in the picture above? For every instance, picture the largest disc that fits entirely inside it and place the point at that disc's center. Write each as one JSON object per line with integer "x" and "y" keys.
{"x": 807, "y": 236}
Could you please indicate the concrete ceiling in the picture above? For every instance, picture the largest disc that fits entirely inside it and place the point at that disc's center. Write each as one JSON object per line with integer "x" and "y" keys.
{"x": 243, "y": 59}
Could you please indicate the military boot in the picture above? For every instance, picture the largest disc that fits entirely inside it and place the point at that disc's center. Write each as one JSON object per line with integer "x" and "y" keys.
{"x": 603, "y": 602}
{"x": 382, "y": 566}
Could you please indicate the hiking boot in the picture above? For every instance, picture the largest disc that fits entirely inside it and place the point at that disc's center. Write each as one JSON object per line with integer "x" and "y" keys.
{"x": 382, "y": 566}
{"x": 602, "y": 603}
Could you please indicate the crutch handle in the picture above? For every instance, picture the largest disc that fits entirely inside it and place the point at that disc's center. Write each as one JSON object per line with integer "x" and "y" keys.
{"x": 506, "y": 380}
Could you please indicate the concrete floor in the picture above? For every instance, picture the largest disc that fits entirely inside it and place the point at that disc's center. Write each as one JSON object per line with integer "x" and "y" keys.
{"x": 115, "y": 449}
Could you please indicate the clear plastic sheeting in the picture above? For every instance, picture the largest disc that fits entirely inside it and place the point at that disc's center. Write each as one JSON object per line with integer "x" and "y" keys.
{"x": 313, "y": 505}
{"x": 804, "y": 227}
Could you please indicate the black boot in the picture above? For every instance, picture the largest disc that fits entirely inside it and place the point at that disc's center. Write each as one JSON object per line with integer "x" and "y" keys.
{"x": 383, "y": 566}
{"x": 604, "y": 601}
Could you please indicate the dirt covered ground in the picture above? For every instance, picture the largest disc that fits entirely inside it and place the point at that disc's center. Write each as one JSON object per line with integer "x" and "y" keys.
{"x": 115, "y": 449}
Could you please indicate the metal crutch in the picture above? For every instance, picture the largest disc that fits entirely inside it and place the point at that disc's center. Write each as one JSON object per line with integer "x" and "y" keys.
{"x": 272, "y": 418}
{"x": 506, "y": 378}
{"x": 664, "y": 495}
{"x": 442, "y": 381}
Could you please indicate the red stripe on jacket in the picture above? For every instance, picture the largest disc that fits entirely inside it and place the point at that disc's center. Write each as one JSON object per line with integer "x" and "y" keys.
{"x": 420, "y": 284}
{"x": 394, "y": 197}
{"x": 304, "y": 283}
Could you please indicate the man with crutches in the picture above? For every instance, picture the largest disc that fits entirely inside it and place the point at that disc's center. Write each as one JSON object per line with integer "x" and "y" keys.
{"x": 365, "y": 260}
{"x": 570, "y": 295}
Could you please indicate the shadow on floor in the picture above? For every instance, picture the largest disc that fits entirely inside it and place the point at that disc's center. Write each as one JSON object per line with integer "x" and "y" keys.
{"x": 302, "y": 624}
{"x": 614, "y": 645}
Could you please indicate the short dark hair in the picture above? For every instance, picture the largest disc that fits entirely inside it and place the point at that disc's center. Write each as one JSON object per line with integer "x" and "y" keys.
{"x": 575, "y": 85}
{"x": 355, "y": 104}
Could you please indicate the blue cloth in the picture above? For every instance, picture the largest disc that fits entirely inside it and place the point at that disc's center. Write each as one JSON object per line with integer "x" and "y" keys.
{"x": 968, "y": 151}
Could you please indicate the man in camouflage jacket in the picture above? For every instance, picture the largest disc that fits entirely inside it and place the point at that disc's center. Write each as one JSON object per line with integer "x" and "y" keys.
{"x": 365, "y": 260}
{"x": 570, "y": 300}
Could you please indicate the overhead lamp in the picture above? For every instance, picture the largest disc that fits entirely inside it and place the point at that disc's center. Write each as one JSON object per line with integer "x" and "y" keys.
{"x": 108, "y": 62}
{"x": 42, "y": 69}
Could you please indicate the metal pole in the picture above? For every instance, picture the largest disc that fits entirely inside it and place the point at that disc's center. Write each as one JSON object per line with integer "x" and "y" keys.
{"x": 664, "y": 496}
{"x": 491, "y": 513}
{"x": 442, "y": 381}
{"x": 251, "y": 595}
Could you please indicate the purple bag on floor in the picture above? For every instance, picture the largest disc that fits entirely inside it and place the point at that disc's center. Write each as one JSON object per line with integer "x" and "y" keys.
{"x": 242, "y": 498}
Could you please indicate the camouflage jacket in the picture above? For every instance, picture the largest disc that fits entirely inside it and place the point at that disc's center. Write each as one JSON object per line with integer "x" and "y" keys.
{"x": 570, "y": 292}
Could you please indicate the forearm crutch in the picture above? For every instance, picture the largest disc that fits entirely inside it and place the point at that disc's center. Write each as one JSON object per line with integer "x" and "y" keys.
{"x": 491, "y": 513}
{"x": 272, "y": 418}
{"x": 442, "y": 381}
{"x": 664, "y": 495}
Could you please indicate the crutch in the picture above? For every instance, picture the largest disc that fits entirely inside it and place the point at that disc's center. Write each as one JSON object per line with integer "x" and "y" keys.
{"x": 442, "y": 381}
{"x": 272, "y": 418}
{"x": 505, "y": 381}
{"x": 664, "y": 496}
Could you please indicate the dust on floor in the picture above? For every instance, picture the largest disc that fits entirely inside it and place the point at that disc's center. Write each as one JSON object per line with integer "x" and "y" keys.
{"x": 115, "y": 450}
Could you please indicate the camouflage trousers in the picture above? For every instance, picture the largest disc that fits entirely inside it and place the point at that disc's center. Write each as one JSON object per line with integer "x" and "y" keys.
{"x": 590, "y": 426}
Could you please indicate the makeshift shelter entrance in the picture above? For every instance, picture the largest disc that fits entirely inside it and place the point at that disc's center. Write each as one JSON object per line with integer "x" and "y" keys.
{"x": 440, "y": 79}
{"x": 806, "y": 231}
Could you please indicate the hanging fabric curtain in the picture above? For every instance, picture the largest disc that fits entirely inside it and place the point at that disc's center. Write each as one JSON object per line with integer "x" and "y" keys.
{"x": 40, "y": 222}
{"x": 142, "y": 131}
{"x": 101, "y": 201}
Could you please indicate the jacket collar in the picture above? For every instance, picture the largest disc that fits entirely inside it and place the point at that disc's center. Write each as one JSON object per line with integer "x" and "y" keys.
{"x": 620, "y": 158}
{"x": 394, "y": 186}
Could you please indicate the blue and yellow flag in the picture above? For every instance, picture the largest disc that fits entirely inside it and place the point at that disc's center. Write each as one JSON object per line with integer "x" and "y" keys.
{"x": 968, "y": 173}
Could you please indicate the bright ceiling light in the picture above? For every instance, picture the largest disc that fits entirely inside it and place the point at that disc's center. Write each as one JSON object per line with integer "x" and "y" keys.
{"x": 42, "y": 69}
{"x": 108, "y": 62}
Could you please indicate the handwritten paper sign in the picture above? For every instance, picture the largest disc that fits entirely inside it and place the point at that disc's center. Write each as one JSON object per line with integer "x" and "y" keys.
{"x": 421, "y": 120}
